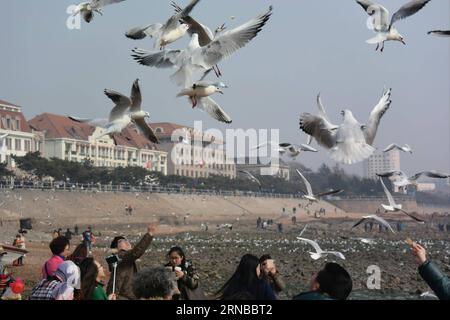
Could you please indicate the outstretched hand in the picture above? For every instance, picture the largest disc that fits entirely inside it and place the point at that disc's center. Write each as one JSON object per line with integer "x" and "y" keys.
{"x": 419, "y": 253}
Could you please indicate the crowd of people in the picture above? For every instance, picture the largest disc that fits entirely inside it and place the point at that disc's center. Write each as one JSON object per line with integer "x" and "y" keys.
{"x": 78, "y": 275}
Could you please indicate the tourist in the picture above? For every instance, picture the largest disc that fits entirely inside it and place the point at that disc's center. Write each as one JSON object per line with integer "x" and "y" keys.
{"x": 60, "y": 286}
{"x": 294, "y": 220}
{"x": 59, "y": 247}
{"x": 88, "y": 239}
{"x": 155, "y": 283}
{"x": 76, "y": 230}
{"x": 187, "y": 277}
{"x": 92, "y": 281}
{"x": 331, "y": 283}
{"x": 246, "y": 279}
{"x": 19, "y": 242}
{"x": 68, "y": 234}
{"x": 126, "y": 267}
{"x": 270, "y": 273}
{"x": 431, "y": 274}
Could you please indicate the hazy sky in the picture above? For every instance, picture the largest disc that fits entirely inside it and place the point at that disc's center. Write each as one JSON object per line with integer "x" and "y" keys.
{"x": 308, "y": 46}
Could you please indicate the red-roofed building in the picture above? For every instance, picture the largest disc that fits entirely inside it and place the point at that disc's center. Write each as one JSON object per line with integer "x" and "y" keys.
{"x": 193, "y": 153}
{"x": 16, "y": 136}
{"x": 74, "y": 141}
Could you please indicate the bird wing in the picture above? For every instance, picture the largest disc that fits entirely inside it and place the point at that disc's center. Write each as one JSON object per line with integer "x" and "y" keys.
{"x": 407, "y": 10}
{"x": 388, "y": 194}
{"x": 361, "y": 221}
{"x": 205, "y": 36}
{"x": 157, "y": 59}
{"x": 139, "y": 33}
{"x": 322, "y": 111}
{"x": 303, "y": 231}
{"x": 440, "y": 33}
{"x": 146, "y": 130}
{"x": 122, "y": 104}
{"x": 326, "y": 193}
{"x": 305, "y": 147}
{"x": 213, "y": 109}
{"x": 383, "y": 222}
{"x": 314, "y": 244}
{"x": 365, "y": 4}
{"x": 430, "y": 174}
{"x": 307, "y": 184}
{"x": 97, "y": 4}
{"x": 390, "y": 147}
{"x": 379, "y": 14}
{"x": 136, "y": 97}
{"x": 319, "y": 128}
{"x": 412, "y": 217}
{"x": 172, "y": 23}
{"x": 93, "y": 122}
{"x": 252, "y": 177}
{"x": 370, "y": 130}
{"x": 228, "y": 42}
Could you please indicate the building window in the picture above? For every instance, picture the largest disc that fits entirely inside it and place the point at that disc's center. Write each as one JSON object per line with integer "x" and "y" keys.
{"x": 8, "y": 123}
{"x": 18, "y": 145}
{"x": 9, "y": 143}
{"x": 27, "y": 146}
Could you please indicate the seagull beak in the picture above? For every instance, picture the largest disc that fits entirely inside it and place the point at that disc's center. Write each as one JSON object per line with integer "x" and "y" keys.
{"x": 403, "y": 41}
{"x": 342, "y": 112}
{"x": 220, "y": 91}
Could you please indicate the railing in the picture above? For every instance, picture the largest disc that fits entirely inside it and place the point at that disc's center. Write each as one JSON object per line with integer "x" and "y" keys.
{"x": 78, "y": 187}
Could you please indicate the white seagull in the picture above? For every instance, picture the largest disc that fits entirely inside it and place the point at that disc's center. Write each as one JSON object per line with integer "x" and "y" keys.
{"x": 382, "y": 26}
{"x": 319, "y": 252}
{"x": 125, "y": 111}
{"x": 394, "y": 207}
{"x": 392, "y": 146}
{"x": 87, "y": 9}
{"x": 197, "y": 58}
{"x": 199, "y": 94}
{"x": 350, "y": 142}
{"x": 165, "y": 34}
{"x": 251, "y": 177}
{"x": 293, "y": 150}
{"x": 400, "y": 179}
{"x": 440, "y": 33}
{"x": 309, "y": 195}
{"x": 376, "y": 218}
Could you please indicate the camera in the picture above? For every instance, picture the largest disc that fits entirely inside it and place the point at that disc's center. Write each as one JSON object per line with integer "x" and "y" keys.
{"x": 112, "y": 259}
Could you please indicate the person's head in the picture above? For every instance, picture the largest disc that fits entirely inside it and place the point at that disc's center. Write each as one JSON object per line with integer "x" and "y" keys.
{"x": 245, "y": 278}
{"x": 92, "y": 272}
{"x": 79, "y": 254}
{"x": 154, "y": 283}
{"x": 333, "y": 280}
{"x": 60, "y": 246}
{"x": 121, "y": 244}
{"x": 176, "y": 256}
{"x": 264, "y": 265}
{"x": 18, "y": 236}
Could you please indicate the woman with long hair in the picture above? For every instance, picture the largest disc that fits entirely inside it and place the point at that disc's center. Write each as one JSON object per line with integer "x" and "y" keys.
{"x": 246, "y": 282}
{"x": 92, "y": 277}
{"x": 79, "y": 254}
{"x": 187, "y": 277}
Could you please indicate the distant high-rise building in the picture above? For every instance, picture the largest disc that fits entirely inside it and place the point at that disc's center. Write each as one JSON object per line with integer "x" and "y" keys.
{"x": 381, "y": 162}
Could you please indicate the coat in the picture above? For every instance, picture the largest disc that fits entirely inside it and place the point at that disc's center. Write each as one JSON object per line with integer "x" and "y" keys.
{"x": 188, "y": 285}
{"x": 437, "y": 281}
{"x": 127, "y": 268}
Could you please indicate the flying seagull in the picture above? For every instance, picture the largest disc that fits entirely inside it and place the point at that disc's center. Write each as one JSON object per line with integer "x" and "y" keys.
{"x": 351, "y": 141}
{"x": 440, "y": 33}
{"x": 165, "y": 34}
{"x": 376, "y": 218}
{"x": 205, "y": 35}
{"x": 394, "y": 207}
{"x": 392, "y": 146}
{"x": 319, "y": 252}
{"x": 199, "y": 95}
{"x": 293, "y": 150}
{"x": 125, "y": 111}
{"x": 309, "y": 194}
{"x": 87, "y": 9}
{"x": 382, "y": 26}
{"x": 197, "y": 58}
{"x": 400, "y": 179}
{"x": 251, "y": 177}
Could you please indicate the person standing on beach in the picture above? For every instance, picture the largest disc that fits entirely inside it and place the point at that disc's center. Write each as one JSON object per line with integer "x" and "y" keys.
{"x": 126, "y": 267}
{"x": 433, "y": 276}
{"x": 87, "y": 239}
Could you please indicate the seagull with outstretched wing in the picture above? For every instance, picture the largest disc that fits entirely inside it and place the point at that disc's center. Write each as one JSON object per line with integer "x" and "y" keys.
{"x": 309, "y": 193}
{"x": 319, "y": 252}
{"x": 87, "y": 9}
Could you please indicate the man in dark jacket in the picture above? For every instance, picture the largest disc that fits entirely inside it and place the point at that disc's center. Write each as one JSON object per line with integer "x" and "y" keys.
{"x": 126, "y": 267}
{"x": 429, "y": 272}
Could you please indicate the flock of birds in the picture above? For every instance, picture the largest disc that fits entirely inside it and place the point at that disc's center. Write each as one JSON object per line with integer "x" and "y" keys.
{"x": 349, "y": 142}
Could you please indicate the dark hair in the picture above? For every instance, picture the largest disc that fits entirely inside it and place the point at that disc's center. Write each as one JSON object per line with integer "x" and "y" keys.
{"x": 180, "y": 253}
{"x": 244, "y": 279}
{"x": 58, "y": 245}
{"x": 154, "y": 283}
{"x": 116, "y": 241}
{"x": 335, "y": 281}
{"x": 89, "y": 273}
{"x": 79, "y": 254}
{"x": 264, "y": 258}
